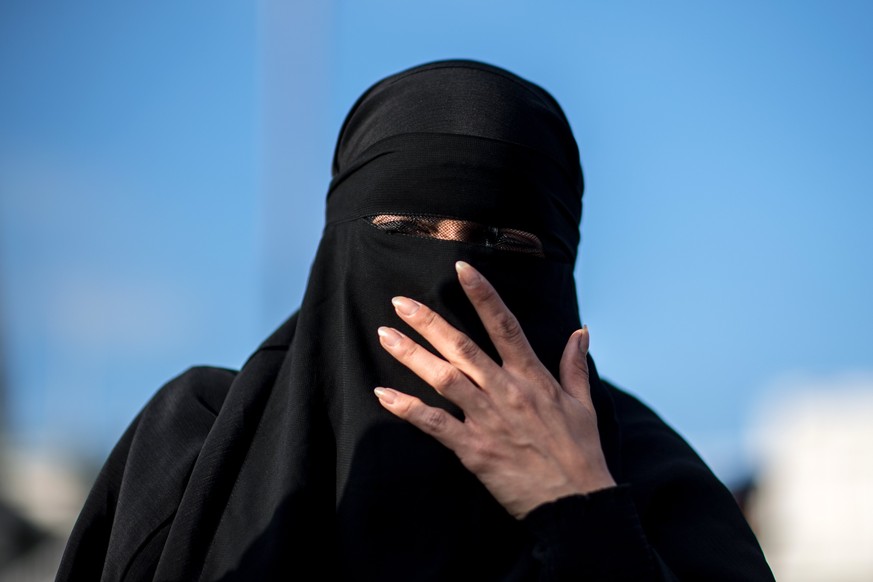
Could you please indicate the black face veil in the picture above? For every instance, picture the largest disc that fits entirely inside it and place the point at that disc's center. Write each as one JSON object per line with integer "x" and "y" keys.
{"x": 492, "y": 155}
{"x": 295, "y": 459}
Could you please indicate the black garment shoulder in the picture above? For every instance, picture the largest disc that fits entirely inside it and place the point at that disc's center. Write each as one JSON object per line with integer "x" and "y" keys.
{"x": 145, "y": 475}
{"x": 687, "y": 512}
{"x": 122, "y": 527}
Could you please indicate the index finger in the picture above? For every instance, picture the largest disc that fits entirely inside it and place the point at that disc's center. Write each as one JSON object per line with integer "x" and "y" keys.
{"x": 502, "y": 326}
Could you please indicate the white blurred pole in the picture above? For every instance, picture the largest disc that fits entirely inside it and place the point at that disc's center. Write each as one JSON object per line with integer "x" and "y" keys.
{"x": 297, "y": 143}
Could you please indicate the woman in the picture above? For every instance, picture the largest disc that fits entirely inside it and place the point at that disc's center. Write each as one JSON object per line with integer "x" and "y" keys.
{"x": 491, "y": 449}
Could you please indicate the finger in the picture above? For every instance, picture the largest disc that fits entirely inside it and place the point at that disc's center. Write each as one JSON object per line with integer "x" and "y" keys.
{"x": 434, "y": 421}
{"x": 574, "y": 366}
{"x": 456, "y": 347}
{"x": 441, "y": 375}
{"x": 501, "y": 325}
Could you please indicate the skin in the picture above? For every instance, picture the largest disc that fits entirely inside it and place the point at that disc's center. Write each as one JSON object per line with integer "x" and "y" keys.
{"x": 444, "y": 229}
{"x": 528, "y": 437}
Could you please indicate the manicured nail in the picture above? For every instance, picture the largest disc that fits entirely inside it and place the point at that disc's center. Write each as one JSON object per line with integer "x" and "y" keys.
{"x": 405, "y": 305}
{"x": 583, "y": 345}
{"x": 389, "y": 336}
{"x": 467, "y": 274}
{"x": 386, "y": 395}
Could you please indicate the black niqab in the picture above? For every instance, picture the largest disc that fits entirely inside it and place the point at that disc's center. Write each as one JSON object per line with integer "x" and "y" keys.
{"x": 468, "y": 142}
{"x": 291, "y": 465}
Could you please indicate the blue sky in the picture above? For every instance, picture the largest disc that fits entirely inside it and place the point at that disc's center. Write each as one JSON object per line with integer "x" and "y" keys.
{"x": 163, "y": 170}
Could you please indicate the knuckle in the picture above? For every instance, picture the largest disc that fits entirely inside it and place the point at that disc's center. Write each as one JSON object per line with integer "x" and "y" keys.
{"x": 466, "y": 348}
{"x": 507, "y": 327}
{"x": 474, "y": 462}
{"x": 486, "y": 293}
{"x": 434, "y": 419}
{"x": 410, "y": 350}
{"x": 444, "y": 377}
{"x": 405, "y": 407}
{"x": 429, "y": 318}
{"x": 478, "y": 456}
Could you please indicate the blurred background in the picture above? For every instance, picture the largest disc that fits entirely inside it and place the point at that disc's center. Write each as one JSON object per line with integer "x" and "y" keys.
{"x": 163, "y": 168}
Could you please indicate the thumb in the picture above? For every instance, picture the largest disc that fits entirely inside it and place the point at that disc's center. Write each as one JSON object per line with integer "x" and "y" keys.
{"x": 574, "y": 366}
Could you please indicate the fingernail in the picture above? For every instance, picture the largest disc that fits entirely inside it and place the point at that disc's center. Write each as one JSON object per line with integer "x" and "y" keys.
{"x": 467, "y": 274}
{"x": 405, "y": 306}
{"x": 583, "y": 345}
{"x": 385, "y": 395}
{"x": 389, "y": 336}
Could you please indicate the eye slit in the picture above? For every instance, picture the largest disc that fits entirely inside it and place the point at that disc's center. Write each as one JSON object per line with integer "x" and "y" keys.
{"x": 518, "y": 240}
{"x": 444, "y": 228}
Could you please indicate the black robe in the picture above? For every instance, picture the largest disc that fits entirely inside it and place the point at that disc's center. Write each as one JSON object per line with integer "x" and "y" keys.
{"x": 290, "y": 466}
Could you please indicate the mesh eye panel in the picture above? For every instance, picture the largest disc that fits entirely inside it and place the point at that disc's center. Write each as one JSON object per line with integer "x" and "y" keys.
{"x": 438, "y": 227}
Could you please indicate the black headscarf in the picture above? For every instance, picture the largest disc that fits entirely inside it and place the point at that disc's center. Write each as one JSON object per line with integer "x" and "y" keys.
{"x": 290, "y": 468}
{"x": 453, "y": 139}
{"x": 473, "y": 143}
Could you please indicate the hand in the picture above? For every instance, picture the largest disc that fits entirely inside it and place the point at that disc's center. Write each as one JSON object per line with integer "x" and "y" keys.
{"x": 528, "y": 438}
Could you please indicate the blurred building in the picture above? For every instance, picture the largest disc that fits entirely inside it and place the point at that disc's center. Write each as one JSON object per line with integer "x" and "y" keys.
{"x": 812, "y": 504}
{"x": 40, "y": 497}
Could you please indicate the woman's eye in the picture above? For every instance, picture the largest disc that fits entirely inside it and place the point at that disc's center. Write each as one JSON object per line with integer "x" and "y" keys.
{"x": 519, "y": 240}
{"x": 398, "y": 224}
{"x": 392, "y": 226}
{"x": 408, "y": 226}
{"x": 422, "y": 228}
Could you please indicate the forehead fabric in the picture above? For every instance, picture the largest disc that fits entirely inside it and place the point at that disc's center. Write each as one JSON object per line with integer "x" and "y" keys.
{"x": 459, "y": 98}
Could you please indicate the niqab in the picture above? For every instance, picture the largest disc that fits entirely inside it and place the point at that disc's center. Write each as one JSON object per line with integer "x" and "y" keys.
{"x": 472, "y": 143}
{"x": 290, "y": 465}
